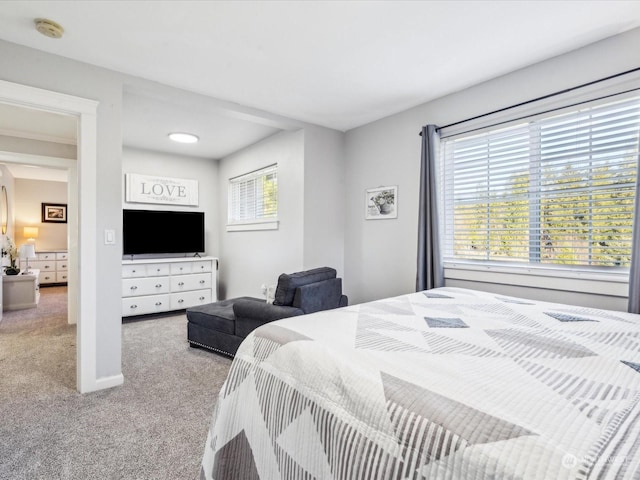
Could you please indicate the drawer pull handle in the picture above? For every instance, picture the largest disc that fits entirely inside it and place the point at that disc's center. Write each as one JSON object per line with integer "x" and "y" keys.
{"x": 158, "y": 270}
{"x": 201, "y": 298}
{"x": 133, "y": 271}
{"x": 201, "y": 281}
{"x": 133, "y": 287}
{"x": 133, "y": 306}
{"x": 180, "y": 301}
{"x": 180, "y": 284}
{"x": 47, "y": 278}
{"x": 158, "y": 285}
{"x": 158, "y": 304}
{"x": 46, "y": 266}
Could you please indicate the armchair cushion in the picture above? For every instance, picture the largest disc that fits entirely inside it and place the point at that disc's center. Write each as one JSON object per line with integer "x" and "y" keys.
{"x": 250, "y": 315}
{"x": 314, "y": 297}
{"x": 287, "y": 283}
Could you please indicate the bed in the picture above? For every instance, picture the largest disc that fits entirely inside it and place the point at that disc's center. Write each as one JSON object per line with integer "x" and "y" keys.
{"x": 442, "y": 384}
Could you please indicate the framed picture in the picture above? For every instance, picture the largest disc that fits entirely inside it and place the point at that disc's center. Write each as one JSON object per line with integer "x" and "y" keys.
{"x": 381, "y": 203}
{"x": 54, "y": 212}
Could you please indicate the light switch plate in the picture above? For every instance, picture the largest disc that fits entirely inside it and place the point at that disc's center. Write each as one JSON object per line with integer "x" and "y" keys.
{"x": 109, "y": 237}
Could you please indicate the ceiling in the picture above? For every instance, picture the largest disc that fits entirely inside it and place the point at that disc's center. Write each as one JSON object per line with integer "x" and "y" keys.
{"x": 339, "y": 64}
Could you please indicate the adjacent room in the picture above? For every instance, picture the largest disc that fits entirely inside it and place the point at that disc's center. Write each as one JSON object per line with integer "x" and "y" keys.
{"x": 320, "y": 239}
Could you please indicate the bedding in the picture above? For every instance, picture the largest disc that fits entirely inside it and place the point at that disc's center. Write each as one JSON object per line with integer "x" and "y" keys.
{"x": 447, "y": 383}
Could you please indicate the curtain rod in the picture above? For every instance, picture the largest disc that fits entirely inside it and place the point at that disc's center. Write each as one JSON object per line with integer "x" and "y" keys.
{"x": 544, "y": 97}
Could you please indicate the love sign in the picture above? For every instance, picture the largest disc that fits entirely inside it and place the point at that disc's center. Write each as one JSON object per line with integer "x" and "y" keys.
{"x": 152, "y": 189}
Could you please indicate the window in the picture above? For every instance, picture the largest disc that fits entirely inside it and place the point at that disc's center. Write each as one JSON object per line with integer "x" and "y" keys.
{"x": 553, "y": 191}
{"x": 253, "y": 200}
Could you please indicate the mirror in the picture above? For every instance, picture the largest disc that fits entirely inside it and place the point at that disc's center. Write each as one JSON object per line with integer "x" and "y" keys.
{"x": 4, "y": 210}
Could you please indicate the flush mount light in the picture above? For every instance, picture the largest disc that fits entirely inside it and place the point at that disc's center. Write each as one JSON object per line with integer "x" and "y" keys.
{"x": 183, "y": 137}
{"x": 49, "y": 28}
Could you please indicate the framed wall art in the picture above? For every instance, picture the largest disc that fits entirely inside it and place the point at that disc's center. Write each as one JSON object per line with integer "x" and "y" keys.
{"x": 381, "y": 203}
{"x": 54, "y": 212}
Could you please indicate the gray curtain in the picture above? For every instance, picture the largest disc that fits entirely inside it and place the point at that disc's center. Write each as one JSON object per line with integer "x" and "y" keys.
{"x": 430, "y": 272}
{"x": 634, "y": 271}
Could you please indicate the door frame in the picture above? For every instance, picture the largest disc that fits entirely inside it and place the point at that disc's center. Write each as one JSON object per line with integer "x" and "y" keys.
{"x": 82, "y": 224}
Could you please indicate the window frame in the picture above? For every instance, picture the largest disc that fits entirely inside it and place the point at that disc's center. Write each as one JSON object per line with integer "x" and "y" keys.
{"x": 254, "y": 222}
{"x": 555, "y": 271}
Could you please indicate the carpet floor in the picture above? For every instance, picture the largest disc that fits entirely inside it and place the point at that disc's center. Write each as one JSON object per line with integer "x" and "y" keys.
{"x": 153, "y": 427}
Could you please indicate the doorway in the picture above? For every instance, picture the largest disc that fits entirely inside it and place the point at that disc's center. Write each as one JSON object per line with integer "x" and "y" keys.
{"x": 82, "y": 235}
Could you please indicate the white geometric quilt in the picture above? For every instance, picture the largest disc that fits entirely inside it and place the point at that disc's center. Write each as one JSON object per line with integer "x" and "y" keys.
{"x": 442, "y": 384}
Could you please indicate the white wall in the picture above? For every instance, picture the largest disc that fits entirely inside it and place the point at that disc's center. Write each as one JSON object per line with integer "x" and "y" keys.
{"x": 324, "y": 199}
{"x": 38, "y": 69}
{"x": 37, "y": 147}
{"x": 249, "y": 259}
{"x": 28, "y": 199}
{"x": 205, "y": 171}
{"x": 380, "y": 255}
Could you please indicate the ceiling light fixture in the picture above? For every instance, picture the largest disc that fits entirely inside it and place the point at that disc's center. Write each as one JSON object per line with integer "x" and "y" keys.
{"x": 183, "y": 137}
{"x": 49, "y": 28}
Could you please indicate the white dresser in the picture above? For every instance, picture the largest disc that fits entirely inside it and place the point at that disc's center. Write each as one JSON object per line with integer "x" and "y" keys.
{"x": 163, "y": 285}
{"x": 53, "y": 266}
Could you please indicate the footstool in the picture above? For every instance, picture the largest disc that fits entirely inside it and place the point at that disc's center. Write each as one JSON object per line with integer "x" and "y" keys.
{"x": 213, "y": 326}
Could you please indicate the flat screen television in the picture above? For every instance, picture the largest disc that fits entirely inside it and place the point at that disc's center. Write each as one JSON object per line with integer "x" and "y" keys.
{"x": 156, "y": 231}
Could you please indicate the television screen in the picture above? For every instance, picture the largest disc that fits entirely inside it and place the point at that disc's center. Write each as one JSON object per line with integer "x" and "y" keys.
{"x": 155, "y": 231}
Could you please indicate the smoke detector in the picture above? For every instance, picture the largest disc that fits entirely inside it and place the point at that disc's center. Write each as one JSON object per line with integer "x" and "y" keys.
{"x": 49, "y": 28}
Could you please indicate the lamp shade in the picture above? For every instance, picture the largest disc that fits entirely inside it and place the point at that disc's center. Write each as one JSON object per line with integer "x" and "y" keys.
{"x": 27, "y": 251}
{"x": 30, "y": 232}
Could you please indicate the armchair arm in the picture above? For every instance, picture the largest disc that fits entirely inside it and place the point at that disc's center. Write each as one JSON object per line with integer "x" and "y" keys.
{"x": 252, "y": 314}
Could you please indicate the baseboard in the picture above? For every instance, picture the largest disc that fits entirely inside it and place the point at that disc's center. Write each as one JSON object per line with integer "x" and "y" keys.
{"x": 109, "y": 382}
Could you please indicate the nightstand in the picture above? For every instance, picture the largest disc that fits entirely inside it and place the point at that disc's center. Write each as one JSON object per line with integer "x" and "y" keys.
{"x": 21, "y": 291}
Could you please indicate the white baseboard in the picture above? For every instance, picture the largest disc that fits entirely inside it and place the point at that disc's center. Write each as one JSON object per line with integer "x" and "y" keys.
{"x": 109, "y": 382}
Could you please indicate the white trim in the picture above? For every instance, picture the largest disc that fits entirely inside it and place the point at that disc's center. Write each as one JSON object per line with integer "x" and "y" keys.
{"x": 82, "y": 234}
{"x": 39, "y": 160}
{"x": 37, "y": 136}
{"x": 109, "y": 382}
{"x": 615, "y": 285}
{"x": 245, "y": 227}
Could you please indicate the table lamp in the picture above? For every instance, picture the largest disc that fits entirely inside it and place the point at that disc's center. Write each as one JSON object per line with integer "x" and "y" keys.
{"x": 27, "y": 252}
{"x": 30, "y": 233}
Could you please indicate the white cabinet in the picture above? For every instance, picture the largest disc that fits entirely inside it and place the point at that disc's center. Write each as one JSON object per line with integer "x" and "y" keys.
{"x": 53, "y": 266}
{"x": 154, "y": 286}
{"x": 21, "y": 291}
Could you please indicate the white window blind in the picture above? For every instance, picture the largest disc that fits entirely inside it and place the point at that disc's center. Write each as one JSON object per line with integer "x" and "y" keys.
{"x": 253, "y": 197}
{"x": 552, "y": 191}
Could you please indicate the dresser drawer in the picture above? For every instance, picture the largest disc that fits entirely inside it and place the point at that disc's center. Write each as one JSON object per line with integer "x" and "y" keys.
{"x": 44, "y": 265}
{"x": 144, "y": 286}
{"x": 145, "y": 270}
{"x": 62, "y": 265}
{"x": 181, "y": 268}
{"x": 61, "y": 277}
{"x": 183, "y": 300}
{"x": 144, "y": 305}
{"x": 46, "y": 256}
{"x": 190, "y": 282}
{"x": 202, "y": 266}
{"x": 47, "y": 277}
{"x": 62, "y": 256}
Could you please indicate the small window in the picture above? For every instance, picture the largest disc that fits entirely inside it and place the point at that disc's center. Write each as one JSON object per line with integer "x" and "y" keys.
{"x": 253, "y": 200}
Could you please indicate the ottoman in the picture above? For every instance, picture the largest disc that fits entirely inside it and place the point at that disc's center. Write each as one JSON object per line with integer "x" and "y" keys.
{"x": 213, "y": 326}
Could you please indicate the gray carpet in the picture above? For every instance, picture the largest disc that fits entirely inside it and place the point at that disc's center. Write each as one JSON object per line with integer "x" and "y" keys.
{"x": 152, "y": 427}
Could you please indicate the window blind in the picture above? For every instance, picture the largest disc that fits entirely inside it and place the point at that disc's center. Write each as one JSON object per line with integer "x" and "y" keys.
{"x": 552, "y": 191}
{"x": 254, "y": 197}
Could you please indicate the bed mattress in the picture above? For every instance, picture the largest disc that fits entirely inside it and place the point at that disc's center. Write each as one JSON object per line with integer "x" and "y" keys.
{"x": 442, "y": 384}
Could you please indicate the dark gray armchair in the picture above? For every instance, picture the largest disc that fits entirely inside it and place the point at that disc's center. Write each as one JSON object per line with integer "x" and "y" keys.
{"x": 222, "y": 326}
